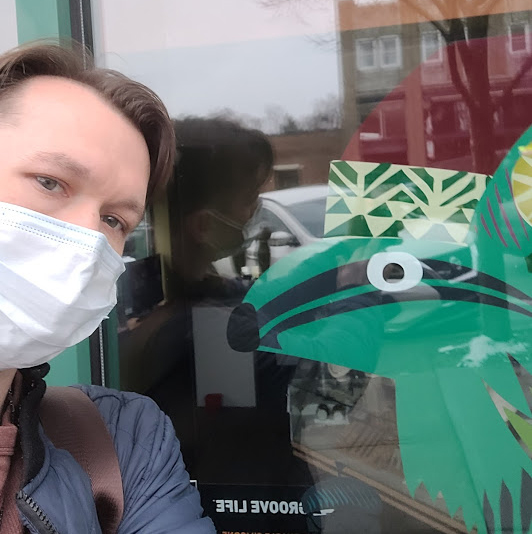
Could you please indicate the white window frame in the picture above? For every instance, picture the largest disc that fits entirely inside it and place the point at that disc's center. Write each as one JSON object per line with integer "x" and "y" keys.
{"x": 433, "y": 59}
{"x": 374, "y": 43}
{"x": 526, "y": 35}
{"x": 398, "y": 52}
{"x": 374, "y": 136}
{"x": 279, "y": 169}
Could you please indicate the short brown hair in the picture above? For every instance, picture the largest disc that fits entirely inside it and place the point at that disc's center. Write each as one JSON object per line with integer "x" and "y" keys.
{"x": 135, "y": 101}
{"x": 218, "y": 159}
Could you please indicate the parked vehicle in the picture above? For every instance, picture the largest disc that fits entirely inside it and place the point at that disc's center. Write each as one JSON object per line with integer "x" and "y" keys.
{"x": 291, "y": 218}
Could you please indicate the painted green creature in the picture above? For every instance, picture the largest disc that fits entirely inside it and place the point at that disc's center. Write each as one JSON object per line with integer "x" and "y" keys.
{"x": 431, "y": 287}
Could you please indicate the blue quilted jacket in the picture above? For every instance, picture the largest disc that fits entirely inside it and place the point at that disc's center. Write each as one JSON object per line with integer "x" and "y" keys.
{"x": 56, "y": 496}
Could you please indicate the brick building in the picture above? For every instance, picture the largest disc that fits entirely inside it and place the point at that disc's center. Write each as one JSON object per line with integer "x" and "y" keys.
{"x": 303, "y": 158}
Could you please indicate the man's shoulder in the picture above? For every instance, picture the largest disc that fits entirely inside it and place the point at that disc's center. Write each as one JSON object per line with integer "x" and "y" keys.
{"x": 114, "y": 397}
{"x": 158, "y": 495}
{"x": 125, "y": 412}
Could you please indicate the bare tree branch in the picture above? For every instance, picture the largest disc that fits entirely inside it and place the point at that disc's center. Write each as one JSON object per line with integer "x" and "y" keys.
{"x": 440, "y": 27}
{"x": 457, "y": 33}
{"x": 451, "y": 48}
{"x": 456, "y": 78}
{"x": 424, "y": 13}
{"x": 507, "y": 94}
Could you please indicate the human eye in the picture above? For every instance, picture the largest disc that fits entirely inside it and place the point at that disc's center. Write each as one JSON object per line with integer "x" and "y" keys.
{"x": 114, "y": 223}
{"x": 49, "y": 183}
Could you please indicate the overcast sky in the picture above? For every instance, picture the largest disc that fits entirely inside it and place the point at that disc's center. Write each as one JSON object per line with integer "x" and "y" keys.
{"x": 204, "y": 55}
{"x": 8, "y": 25}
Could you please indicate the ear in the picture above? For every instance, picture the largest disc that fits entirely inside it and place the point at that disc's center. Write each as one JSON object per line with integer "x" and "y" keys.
{"x": 198, "y": 225}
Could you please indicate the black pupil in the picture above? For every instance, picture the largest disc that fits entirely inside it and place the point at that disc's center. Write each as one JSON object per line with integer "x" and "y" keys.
{"x": 393, "y": 272}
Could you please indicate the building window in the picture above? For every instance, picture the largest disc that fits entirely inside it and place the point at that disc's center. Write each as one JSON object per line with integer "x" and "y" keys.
{"x": 390, "y": 51}
{"x": 394, "y": 120}
{"x": 519, "y": 38}
{"x": 286, "y": 176}
{"x": 462, "y": 114}
{"x": 366, "y": 54}
{"x": 372, "y": 127}
{"x": 431, "y": 49}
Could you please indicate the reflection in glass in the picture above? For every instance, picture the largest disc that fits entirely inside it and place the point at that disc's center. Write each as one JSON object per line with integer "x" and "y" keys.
{"x": 446, "y": 85}
{"x": 439, "y": 304}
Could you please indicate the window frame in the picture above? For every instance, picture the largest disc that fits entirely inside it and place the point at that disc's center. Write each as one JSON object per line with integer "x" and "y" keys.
{"x": 398, "y": 52}
{"x": 432, "y": 59}
{"x": 374, "y": 44}
{"x": 278, "y": 171}
{"x": 371, "y": 136}
{"x": 526, "y": 35}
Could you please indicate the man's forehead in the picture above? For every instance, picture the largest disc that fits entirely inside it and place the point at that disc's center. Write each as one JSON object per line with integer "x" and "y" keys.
{"x": 69, "y": 129}
{"x": 38, "y": 93}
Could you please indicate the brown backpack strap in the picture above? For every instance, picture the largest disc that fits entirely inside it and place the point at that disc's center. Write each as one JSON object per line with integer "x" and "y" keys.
{"x": 73, "y": 423}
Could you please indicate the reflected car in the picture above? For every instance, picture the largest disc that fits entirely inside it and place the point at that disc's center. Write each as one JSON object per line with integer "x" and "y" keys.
{"x": 291, "y": 217}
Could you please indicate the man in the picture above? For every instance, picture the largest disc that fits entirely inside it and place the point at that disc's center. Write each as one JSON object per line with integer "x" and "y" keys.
{"x": 81, "y": 151}
{"x": 217, "y": 178}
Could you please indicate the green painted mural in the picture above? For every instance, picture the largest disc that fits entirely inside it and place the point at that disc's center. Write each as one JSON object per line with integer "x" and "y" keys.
{"x": 424, "y": 278}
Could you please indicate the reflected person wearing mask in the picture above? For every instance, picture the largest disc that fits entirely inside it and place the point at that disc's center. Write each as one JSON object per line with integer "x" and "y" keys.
{"x": 82, "y": 150}
{"x": 217, "y": 178}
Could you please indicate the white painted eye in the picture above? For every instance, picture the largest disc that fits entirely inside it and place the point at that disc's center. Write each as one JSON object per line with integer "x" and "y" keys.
{"x": 394, "y": 271}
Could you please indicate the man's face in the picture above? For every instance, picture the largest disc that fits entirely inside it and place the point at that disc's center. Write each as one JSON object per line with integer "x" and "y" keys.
{"x": 67, "y": 153}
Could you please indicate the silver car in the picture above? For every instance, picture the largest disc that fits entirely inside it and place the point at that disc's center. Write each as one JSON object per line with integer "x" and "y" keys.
{"x": 293, "y": 217}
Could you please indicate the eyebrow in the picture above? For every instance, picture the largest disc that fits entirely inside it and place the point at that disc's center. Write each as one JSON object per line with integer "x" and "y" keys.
{"x": 63, "y": 161}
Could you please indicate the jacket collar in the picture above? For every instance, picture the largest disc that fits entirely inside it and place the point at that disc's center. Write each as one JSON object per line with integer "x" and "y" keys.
{"x": 31, "y": 442}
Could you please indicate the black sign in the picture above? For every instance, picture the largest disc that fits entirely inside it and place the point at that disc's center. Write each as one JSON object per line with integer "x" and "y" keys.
{"x": 242, "y": 509}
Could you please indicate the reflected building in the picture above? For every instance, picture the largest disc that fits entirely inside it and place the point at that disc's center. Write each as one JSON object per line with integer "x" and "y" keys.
{"x": 303, "y": 158}
{"x": 453, "y": 94}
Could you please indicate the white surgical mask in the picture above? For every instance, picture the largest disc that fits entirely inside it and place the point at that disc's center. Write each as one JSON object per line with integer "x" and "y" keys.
{"x": 247, "y": 232}
{"x": 57, "y": 283}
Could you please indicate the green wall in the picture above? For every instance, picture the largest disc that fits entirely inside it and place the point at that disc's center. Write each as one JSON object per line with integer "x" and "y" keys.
{"x": 71, "y": 367}
{"x": 38, "y": 19}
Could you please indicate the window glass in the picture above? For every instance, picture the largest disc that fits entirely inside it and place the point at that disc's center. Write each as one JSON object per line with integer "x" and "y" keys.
{"x": 310, "y": 214}
{"x": 140, "y": 243}
{"x": 431, "y": 47}
{"x": 286, "y": 176}
{"x": 354, "y": 355}
{"x": 366, "y": 54}
{"x": 372, "y": 127}
{"x": 271, "y": 221}
{"x": 519, "y": 38}
{"x": 390, "y": 51}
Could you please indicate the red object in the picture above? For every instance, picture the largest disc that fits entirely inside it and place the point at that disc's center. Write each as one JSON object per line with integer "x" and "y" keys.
{"x": 213, "y": 402}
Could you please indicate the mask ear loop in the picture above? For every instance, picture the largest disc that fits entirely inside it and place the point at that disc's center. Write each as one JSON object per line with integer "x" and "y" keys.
{"x": 226, "y": 220}
{"x": 253, "y": 223}
{"x": 236, "y": 225}
{"x": 246, "y": 228}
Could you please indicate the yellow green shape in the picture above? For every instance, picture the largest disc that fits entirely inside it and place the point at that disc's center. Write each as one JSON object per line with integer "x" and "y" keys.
{"x": 384, "y": 200}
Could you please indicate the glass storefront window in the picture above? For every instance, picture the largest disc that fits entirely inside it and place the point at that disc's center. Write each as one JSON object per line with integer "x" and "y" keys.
{"x": 139, "y": 243}
{"x": 354, "y": 354}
